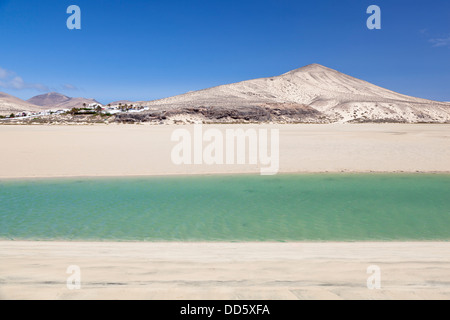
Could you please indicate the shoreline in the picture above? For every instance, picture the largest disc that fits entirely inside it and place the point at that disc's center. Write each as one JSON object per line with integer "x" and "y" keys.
{"x": 230, "y": 242}
{"x": 221, "y": 174}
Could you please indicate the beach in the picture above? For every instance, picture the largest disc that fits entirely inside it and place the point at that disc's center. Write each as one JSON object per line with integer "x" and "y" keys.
{"x": 222, "y": 270}
{"x": 202, "y": 271}
{"x": 145, "y": 150}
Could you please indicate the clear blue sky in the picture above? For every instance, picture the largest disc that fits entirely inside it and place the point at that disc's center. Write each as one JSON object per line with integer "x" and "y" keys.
{"x": 143, "y": 50}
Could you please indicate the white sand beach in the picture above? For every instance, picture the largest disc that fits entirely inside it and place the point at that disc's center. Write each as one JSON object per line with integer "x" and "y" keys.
{"x": 140, "y": 150}
{"x": 37, "y": 270}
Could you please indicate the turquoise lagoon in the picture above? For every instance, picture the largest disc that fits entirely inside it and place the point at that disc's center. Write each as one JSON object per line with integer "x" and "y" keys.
{"x": 305, "y": 207}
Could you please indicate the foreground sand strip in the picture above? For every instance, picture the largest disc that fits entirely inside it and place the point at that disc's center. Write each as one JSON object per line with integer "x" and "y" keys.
{"x": 37, "y": 270}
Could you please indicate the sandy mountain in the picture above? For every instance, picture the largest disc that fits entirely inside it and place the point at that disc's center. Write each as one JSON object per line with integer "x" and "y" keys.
{"x": 332, "y": 94}
{"x": 54, "y": 100}
{"x": 10, "y": 104}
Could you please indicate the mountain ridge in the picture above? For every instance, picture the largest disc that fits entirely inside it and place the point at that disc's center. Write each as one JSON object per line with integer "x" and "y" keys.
{"x": 55, "y": 100}
{"x": 313, "y": 93}
{"x": 337, "y": 96}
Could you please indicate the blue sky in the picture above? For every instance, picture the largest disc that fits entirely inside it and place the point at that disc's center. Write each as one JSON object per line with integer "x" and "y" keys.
{"x": 144, "y": 50}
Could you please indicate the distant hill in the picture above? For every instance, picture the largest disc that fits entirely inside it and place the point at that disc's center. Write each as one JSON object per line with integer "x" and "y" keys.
{"x": 54, "y": 100}
{"x": 10, "y": 104}
{"x": 313, "y": 92}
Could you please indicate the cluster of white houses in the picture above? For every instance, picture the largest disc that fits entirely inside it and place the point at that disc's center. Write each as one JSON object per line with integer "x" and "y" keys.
{"x": 93, "y": 106}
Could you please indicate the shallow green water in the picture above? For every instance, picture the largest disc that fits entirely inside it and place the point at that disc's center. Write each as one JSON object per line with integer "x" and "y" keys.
{"x": 321, "y": 207}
